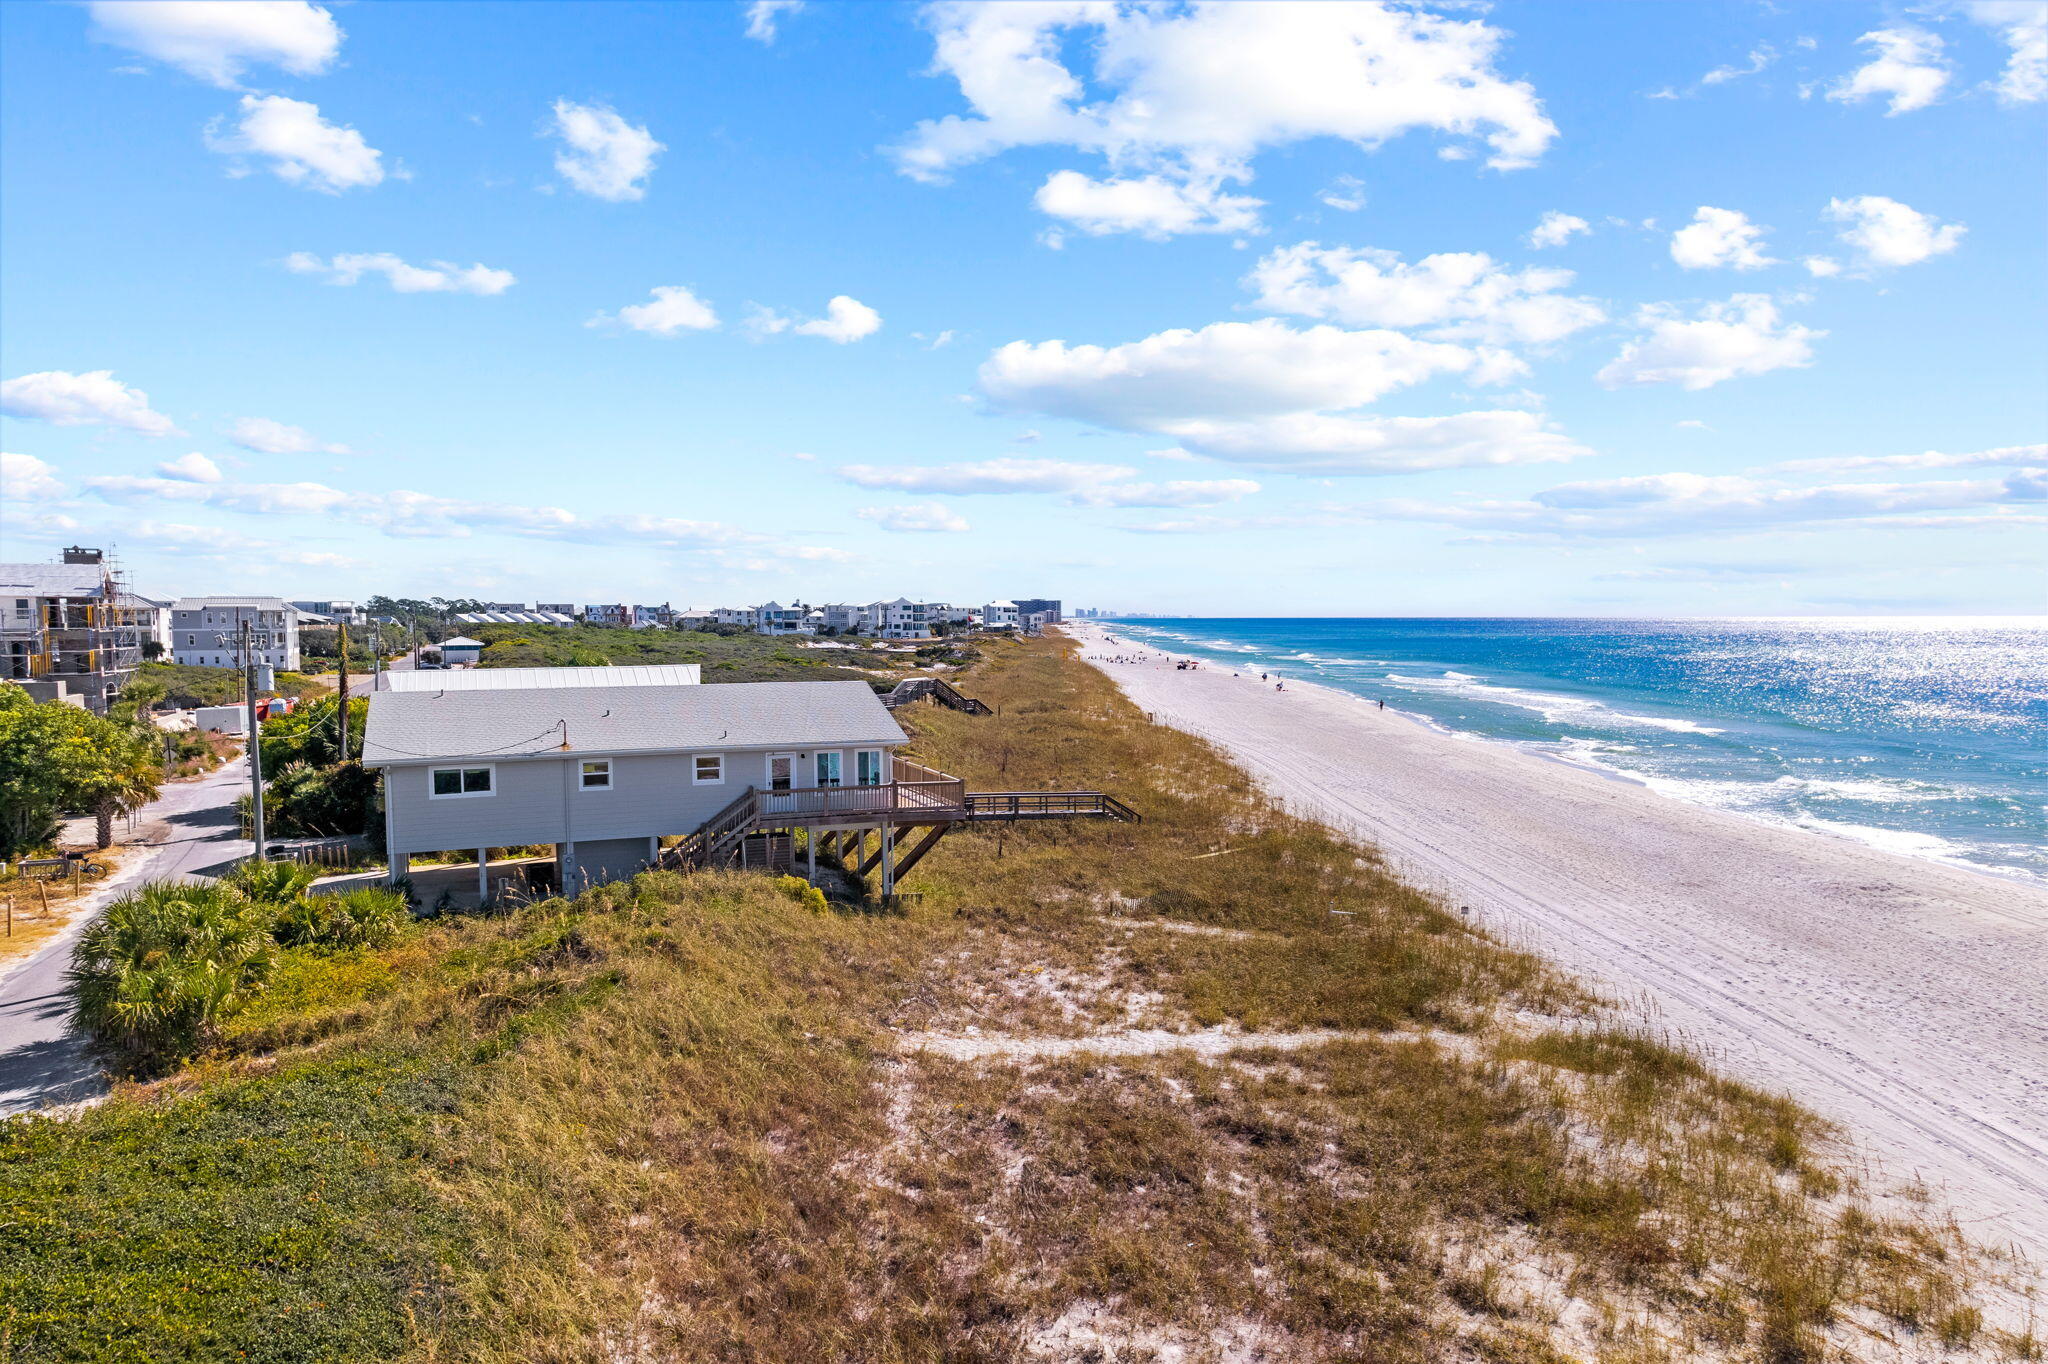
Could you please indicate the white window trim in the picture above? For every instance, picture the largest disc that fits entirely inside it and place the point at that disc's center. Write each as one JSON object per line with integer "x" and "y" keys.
{"x": 881, "y": 765}
{"x": 698, "y": 779}
{"x": 491, "y": 768}
{"x": 818, "y": 763}
{"x": 582, "y": 763}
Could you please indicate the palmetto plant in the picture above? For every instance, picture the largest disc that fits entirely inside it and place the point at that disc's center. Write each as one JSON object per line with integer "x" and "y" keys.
{"x": 272, "y": 883}
{"x": 368, "y": 917}
{"x": 152, "y": 975}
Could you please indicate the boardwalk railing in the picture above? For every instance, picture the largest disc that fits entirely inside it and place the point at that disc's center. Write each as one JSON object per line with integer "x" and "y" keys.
{"x": 1007, "y": 805}
{"x": 920, "y": 795}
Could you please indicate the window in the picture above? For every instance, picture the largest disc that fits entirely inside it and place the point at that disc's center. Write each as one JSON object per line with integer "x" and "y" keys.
{"x": 710, "y": 769}
{"x": 828, "y": 769}
{"x": 597, "y": 775}
{"x": 867, "y": 767}
{"x": 450, "y": 782}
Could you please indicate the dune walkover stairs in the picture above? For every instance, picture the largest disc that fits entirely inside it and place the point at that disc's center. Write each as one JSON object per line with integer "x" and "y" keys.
{"x": 865, "y": 827}
{"x": 934, "y": 689}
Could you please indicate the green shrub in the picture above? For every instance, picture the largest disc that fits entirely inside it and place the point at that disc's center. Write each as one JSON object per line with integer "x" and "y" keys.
{"x": 271, "y": 883}
{"x": 803, "y": 892}
{"x": 368, "y": 917}
{"x": 154, "y": 975}
{"x": 302, "y": 800}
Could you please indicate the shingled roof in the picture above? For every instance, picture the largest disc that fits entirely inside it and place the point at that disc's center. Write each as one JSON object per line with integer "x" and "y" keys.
{"x": 424, "y": 726}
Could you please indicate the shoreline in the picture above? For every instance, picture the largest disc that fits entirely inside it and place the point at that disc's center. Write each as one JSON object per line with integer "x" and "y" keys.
{"x": 1898, "y": 995}
{"x": 1534, "y": 749}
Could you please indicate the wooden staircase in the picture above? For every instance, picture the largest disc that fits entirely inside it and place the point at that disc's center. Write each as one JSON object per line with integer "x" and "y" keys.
{"x": 937, "y": 690}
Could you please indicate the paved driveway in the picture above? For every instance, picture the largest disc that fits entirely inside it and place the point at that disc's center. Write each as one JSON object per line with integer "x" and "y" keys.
{"x": 189, "y": 833}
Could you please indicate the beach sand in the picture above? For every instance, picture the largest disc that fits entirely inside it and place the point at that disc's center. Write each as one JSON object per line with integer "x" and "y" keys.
{"x": 1905, "y": 999}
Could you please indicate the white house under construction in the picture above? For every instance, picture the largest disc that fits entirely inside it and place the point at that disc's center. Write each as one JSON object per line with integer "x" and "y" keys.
{"x": 69, "y": 631}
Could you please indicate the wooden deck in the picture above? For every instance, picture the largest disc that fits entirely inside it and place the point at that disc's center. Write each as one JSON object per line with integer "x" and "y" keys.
{"x": 840, "y": 819}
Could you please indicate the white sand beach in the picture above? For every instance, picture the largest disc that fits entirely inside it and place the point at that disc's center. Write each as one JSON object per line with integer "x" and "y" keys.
{"x": 1905, "y": 999}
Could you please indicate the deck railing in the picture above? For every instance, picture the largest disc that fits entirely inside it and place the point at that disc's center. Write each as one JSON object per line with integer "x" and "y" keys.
{"x": 916, "y": 790}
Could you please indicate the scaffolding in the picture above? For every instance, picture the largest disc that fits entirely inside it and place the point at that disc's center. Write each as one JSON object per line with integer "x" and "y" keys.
{"x": 78, "y": 638}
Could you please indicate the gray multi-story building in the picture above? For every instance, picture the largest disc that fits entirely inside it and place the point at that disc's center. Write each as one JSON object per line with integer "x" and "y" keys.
{"x": 207, "y": 631}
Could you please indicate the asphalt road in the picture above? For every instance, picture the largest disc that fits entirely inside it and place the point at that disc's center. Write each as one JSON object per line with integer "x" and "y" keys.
{"x": 190, "y": 833}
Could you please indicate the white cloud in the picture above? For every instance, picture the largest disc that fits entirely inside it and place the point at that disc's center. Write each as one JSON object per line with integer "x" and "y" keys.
{"x": 95, "y": 398}
{"x": 914, "y": 517}
{"x": 1346, "y": 194}
{"x": 267, "y": 437}
{"x": 1885, "y": 232}
{"x": 1175, "y": 493}
{"x": 1153, "y": 206}
{"x": 1265, "y": 393}
{"x": 763, "y": 15}
{"x": 436, "y": 277}
{"x": 1455, "y": 295}
{"x": 1316, "y": 443}
{"x": 302, "y": 147}
{"x": 603, "y": 155}
{"x": 405, "y": 514}
{"x": 216, "y": 39}
{"x": 1555, "y": 229}
{"x": 1719, "y": 237}
{"x": 1084, "y": 485}
{"x": 1695, "y": 504}
{"x": 1822, "y": 267}
{"x": 846, "y": 319}
{"x": 1227, "y": 370}
{"x": 1760, "y": 56}
{"x": 192, "y": 468}
{"x": 2005, "y": 456}
{"x": 1742, "y": 336}
{"x": 1908, "y": 68}
{"x": 1194, "y": 93}
{"x": 24, "y": 478}
{"x": 2023, "y": 24}
{"x": 986, "y": 476}
{"x": 674, "y": 309}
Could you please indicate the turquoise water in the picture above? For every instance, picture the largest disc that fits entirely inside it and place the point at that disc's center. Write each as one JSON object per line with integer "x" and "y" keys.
{"x": 1927, "y": 737}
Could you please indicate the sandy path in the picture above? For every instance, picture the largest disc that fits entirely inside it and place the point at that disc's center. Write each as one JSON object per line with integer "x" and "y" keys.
{"x": 1906, "y": 999}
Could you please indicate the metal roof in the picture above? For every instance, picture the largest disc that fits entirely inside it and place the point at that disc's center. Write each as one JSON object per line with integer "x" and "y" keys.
{"x": 52, "y": 580}
{"x": 517, "y": 679}
{"x": 234, "y": 603}
{"x": 416, "y": 726}
{"x": 462, "y": 642}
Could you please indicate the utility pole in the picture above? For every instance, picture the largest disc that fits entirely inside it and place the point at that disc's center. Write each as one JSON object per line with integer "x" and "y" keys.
{"x": 341, "y": 714}
{"x": 255, "y": 745}
{"x": 376, "y": 654}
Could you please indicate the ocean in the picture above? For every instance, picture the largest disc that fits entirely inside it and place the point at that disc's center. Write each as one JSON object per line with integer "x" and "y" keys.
{"x": 1921, "y": 736}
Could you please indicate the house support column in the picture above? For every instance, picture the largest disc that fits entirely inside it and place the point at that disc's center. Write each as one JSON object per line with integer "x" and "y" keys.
{"x": 401, "y": 866}
{"x": 888, "y": 865}
{"x": 483, "y": 878}
{"x": 811, "y": 855}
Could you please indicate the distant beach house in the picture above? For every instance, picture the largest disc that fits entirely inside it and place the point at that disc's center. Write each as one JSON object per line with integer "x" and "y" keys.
{"x": 461, "y": 651}
{"x": 206, "y": 631}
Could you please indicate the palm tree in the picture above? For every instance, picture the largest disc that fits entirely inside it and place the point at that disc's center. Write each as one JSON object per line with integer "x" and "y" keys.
{"x": 127, "y": 781}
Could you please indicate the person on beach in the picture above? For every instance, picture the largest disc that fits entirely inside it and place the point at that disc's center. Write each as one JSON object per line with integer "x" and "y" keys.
{"x": 1383, "y": 705}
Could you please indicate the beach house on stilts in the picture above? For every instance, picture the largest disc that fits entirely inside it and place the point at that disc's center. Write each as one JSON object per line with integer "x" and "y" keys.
{"x": 623, "y": 769}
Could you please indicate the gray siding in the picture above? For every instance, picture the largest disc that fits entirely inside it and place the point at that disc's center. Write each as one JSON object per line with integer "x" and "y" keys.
{"x": 539, "y": 800}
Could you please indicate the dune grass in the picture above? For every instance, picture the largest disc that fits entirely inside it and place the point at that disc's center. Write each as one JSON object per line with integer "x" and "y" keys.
{"x": 687, "y": 1118}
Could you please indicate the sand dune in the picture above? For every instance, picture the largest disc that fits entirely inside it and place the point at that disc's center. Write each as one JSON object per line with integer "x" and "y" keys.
{"x": 1906, "y": 999}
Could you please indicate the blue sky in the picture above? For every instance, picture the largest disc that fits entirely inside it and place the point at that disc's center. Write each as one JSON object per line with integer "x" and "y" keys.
{"x": 1215, "y": 309}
